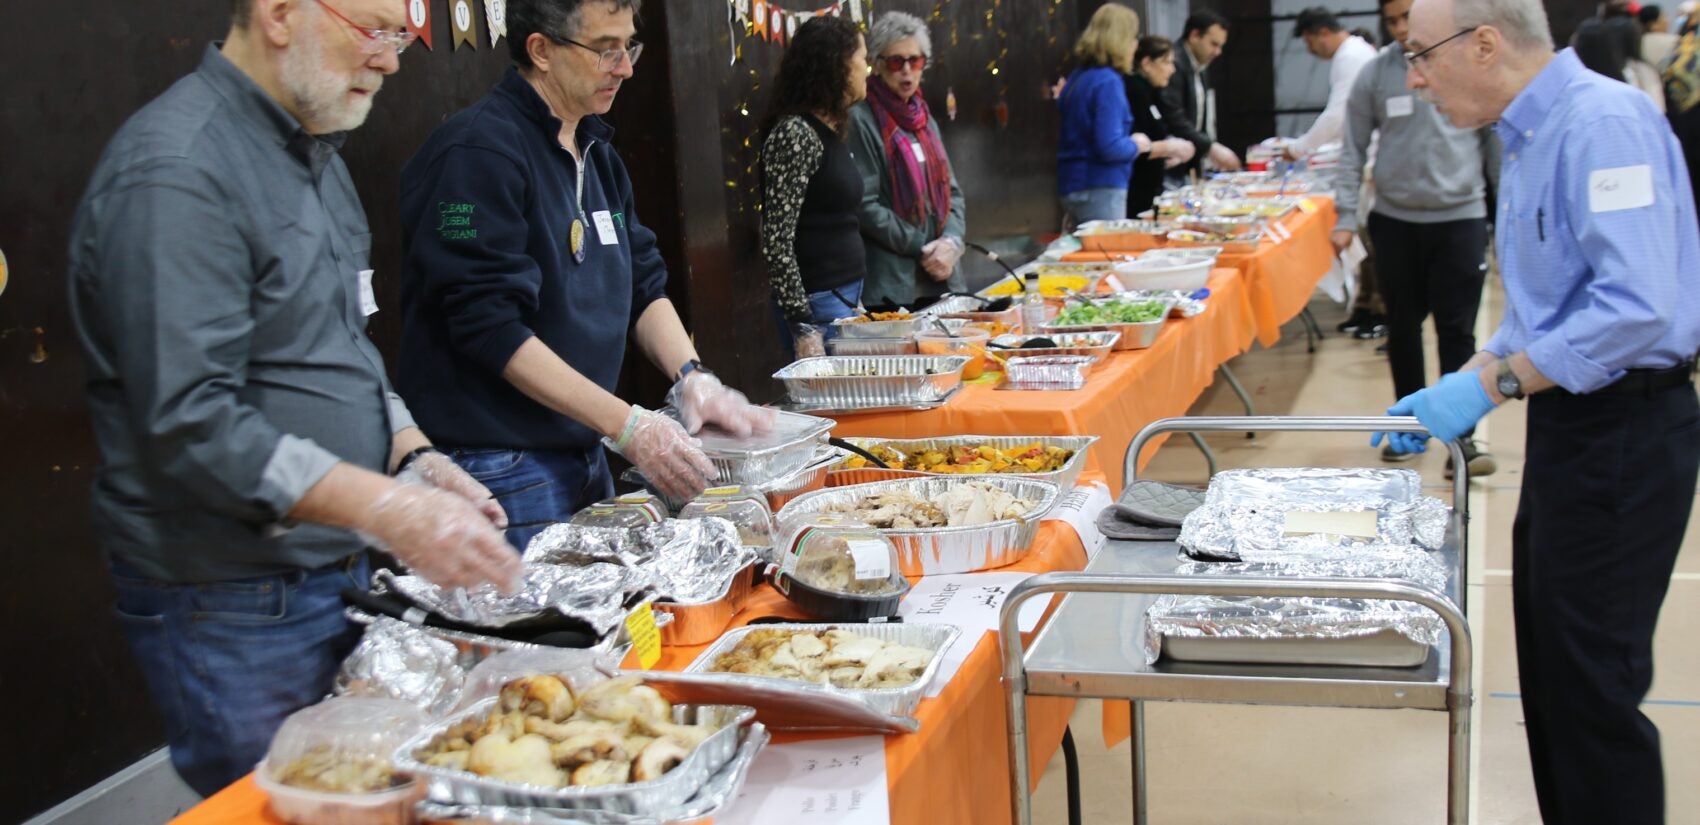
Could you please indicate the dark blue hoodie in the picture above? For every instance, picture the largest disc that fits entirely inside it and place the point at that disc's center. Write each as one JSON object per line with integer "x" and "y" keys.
{"x": 487, "y": 207}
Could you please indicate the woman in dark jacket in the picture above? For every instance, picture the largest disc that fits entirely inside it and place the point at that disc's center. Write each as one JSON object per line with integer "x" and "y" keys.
{"x": 1153, "y": 65}
{"x": 811, "y": 189}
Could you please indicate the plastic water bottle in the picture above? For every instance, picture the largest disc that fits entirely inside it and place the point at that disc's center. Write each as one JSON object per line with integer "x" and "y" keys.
{"x": 1032, "y": 306}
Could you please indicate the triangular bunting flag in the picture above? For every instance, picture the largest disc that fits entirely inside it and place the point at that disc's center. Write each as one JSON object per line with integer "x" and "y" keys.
{"x": 496, "y": 17}
{"x": 464, "y": 24}
{"x": 419, "y": 20}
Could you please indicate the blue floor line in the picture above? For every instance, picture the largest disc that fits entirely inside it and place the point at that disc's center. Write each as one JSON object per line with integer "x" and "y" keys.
{"x": 1680, "y": 703}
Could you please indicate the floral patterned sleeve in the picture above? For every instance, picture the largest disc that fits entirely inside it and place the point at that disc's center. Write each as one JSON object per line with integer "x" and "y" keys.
{"x": 789, "y": 158}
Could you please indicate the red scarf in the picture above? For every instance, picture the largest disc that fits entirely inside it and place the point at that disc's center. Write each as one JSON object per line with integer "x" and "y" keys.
{"x": 908, "y": 177}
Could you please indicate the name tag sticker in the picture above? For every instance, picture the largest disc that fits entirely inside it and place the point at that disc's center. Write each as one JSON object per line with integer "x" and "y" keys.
{"x": 368, "y": 298}
{"x": 1154, "y": 113}
{"x": 605, "y": 228}
{"x": 1625, "y": 187}
{"x": 920, "y": 154}
{"x": 1400, "y": 106}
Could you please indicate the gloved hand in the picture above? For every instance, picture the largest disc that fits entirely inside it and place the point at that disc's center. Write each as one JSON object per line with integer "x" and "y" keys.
{"x": 665, "y": 454}
{"x": 1141, "y": 142}
{"x": 1448, "y": 409}
{"x": 807, "y": 340}
{"x": 440, "y": 471}
{"x": 442, "y": 537}
{"x": 701, "y": 399}
{"x": 1179, "y": 152}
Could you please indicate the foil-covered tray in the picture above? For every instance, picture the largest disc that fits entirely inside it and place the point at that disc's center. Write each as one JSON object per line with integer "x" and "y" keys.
{"x": 1064, "y": 478}
{"x": 938, "y": 550}
{"x": 786, "y": 704}
{"x": 682, "y": 560}
{"x": 871, "y": 346}
{"x": 1097, "y": 345}
{"x": 1132, "y": 336}
{"x": 840, "y": 412}
{"x": 812, "y": 476}
{"x": 1385, "y": 647}
{"x": 872, "y": 380}
{"x": 700, "y": 622}
{"x": 756, "y": 459}
{"x": 877, "y": 329}
{"x": 711, "y": 800}
{"x": 671, "y": 790}
{"x": 1063, "y": 372}
{"x": 1263, "y": 515}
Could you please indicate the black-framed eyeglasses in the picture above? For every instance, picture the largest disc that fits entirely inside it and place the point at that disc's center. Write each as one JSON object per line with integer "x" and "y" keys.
{"x": 606, "y": 60}
{"x": 1414, "y": 60}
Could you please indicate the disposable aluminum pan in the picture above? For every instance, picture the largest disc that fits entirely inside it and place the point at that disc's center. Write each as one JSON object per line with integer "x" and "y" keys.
{"x": 674, "y": 788}
{"x": 850, "y": 381}
{"x": 1097, "y": 345}
{"x": 716, "y": 795}
{"x": 1133, "y": 336}
{"x": 877, "y": 329}
{"x": 937, "y": 550}
{"x": 871, "y": 346}
{"x": 1052, "y": 370}
{"x": 778, "y": 491}
{"x": 896, "y": 702}
{"x": 698, "y": 623}
{"x": 1064, "y": 478}
{"x": 1383, "y": 648}
{"x": 787, "y": 448}
{"x": 472, "y": 648}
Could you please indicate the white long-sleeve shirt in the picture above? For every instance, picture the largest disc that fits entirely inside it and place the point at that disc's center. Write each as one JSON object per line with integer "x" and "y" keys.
{"x": 1343, "y": 68}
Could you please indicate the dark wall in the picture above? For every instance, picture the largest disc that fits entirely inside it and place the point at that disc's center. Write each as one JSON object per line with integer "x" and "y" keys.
{"x": 1243, "y": 75}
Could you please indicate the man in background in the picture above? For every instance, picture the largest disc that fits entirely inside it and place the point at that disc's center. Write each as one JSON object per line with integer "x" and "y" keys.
{"x": 1346, "y": 55}
{"x": 1189, "y": 94}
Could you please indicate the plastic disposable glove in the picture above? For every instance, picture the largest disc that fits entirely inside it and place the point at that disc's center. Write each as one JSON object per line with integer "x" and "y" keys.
{"x": 442, "y": 537}
{"x": 1142, "y": 142}
{"x": 441, "y": 472}
{"x": 701, "y": 399}
{"x": 1179, "y": 152}
{"x": 807, "y": 340}
{"x": 665, "y": 454}
{"x": 1448, "y": 409}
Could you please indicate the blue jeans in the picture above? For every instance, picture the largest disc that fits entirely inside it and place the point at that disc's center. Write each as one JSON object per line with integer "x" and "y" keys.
{"x": 226, "y": 661}
{"x": 538, "y": 488}
{"x": 1093, "y": 205}
{"x": 824, "y": 308}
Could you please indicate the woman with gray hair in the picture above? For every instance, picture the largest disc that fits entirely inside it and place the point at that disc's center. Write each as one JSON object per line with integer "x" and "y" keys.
{"x": 912, "y": 211}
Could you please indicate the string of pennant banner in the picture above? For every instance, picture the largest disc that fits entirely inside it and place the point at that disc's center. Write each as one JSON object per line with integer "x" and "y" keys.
{"x": 463, "y": 17}
{"x": 757, "y": 18}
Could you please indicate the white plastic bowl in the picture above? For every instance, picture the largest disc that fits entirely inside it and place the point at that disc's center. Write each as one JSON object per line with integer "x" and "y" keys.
{"x": 1166, "y": 272}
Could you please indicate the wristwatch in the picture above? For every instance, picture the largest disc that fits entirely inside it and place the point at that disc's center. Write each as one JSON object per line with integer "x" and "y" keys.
{"x": 1507, "y": 382}
{"x": 691, "y": 366}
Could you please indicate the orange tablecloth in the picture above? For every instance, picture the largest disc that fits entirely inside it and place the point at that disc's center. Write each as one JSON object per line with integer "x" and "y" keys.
{"x": 1279, "y": 276}
{"x": 1126, "y": 392}
{"x": 951, "y": 771}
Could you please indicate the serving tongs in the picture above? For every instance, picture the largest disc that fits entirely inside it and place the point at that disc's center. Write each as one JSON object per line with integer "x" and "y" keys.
{"x": 549, "y": 628}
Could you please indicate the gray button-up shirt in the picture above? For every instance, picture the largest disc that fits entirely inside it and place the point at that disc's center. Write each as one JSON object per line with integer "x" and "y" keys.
{"x": 215, "y": 283}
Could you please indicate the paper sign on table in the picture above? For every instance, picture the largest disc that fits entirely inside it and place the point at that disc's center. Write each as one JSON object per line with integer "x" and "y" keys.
{"x": 821, "y": 780}
{"x": 970, "y": 601}
{"x": 1079, "y": 509}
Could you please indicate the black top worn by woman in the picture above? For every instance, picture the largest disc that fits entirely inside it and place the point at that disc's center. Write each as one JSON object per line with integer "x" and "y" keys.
{"x": 1147, "y": 181}
{"x": 811, "y": 237}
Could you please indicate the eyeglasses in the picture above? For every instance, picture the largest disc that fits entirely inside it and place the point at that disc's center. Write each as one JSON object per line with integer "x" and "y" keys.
{"x": 1416, "y": 60}
{"x": 606, "y": 61}
{"x": 896, "y": 62}
{"x": 376, "y": 39}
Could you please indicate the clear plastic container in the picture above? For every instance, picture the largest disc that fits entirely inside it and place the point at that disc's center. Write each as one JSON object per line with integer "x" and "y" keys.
{"x": 969, "y": 341}
{"x": 330, "y": 764}
{"x": 631, "y": 510}
{"x": 1032, "y": 305}
{"x": 746, "y": 508}
{"x": 839, "y": 569}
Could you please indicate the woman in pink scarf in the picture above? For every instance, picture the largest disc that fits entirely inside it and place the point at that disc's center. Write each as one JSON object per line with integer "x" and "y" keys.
{"x": 912, "y": 211}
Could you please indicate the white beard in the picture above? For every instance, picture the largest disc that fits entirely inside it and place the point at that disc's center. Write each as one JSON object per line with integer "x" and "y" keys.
{"x": 321, "y": 95}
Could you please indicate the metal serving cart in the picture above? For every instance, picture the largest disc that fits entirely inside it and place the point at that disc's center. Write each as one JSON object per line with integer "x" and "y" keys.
{"x": 1074, "y": 656}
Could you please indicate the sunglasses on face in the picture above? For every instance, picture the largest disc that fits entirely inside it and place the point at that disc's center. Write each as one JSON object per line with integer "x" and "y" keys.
{"x": 896, "y": 62}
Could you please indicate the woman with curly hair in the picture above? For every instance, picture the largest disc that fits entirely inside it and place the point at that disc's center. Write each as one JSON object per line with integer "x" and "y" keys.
{"x": 912, "y": 210}
{"x": 811, "y": 189}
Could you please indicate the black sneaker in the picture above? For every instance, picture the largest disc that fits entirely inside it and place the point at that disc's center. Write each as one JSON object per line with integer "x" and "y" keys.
{"x": 1360, "y": 318}
{"x": 1381, "y": 350}
{"x": 1376, "y": 327}
{"x": 1478, "y": 461}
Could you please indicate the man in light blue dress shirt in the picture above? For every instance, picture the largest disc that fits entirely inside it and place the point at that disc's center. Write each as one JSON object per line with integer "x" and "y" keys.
{"x": 1600, "y": 254}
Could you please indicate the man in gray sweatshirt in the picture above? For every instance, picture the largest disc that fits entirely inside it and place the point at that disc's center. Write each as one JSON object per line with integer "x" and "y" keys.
{"x": 1429, "y": 222}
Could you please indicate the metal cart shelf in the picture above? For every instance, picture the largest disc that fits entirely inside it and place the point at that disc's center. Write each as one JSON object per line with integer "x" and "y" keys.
{"x": 1074, "y": 656}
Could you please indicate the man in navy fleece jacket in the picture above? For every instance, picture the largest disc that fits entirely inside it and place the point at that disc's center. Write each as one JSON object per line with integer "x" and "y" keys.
{"x": 525, "y": 272}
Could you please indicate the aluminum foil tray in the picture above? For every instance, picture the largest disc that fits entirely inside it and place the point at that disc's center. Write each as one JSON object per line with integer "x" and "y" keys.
{"x": 762, "y": 691}
{"x": 1098, "y": 345}
{"x": 870, "y": 346}
{"x": 843, "y": 382}
{"x": 1051, "y": 371}
{"x": 1063, "y": 478}
{"x": 711, "y": 800}
{"x": 1118, "y": 227}
{"x": 698, "y": 623}
{"x": 937, "y": 550}
{"x": 1133, "y": 336}
{"x": 812, "y": 476}
{"x": 877, "y": 329}
{"x": 1383, "y": 648}
{"x": 475, "y": 647}
{"x": 789, "y": 447}
{"x": 674, "y": 788}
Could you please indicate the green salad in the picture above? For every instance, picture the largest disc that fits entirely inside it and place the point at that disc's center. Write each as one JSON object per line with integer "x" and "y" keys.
{"x": 1111, "y": 312}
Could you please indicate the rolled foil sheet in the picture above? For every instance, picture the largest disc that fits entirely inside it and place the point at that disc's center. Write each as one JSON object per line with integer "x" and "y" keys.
{"x": 594, "y": 592}
{"x": 396, "y": 660}
{"x": 1244, "y": 513}
{"x": 687, "y": 561}
{"x": 1317, "y": 618}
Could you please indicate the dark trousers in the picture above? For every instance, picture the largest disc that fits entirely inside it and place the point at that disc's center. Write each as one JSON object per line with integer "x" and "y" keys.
{"x": 1423, "y": 269}
{"x": 1607, "y": 488}
{"x": 538, "y": 488}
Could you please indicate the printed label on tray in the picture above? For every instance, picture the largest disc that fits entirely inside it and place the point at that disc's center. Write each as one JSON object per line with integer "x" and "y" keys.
{"x": 873, "y": 559}
{"x": 1357, "y": 524}
{"x": 731, "y": 490}
{"x": 646, "y": 639}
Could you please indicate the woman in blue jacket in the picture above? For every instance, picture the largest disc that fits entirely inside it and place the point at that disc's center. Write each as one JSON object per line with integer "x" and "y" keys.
{"x": 1096, "y": 150}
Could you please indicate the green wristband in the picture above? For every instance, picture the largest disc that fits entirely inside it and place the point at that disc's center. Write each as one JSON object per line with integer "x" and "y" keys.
{"x": 632, "y": 420}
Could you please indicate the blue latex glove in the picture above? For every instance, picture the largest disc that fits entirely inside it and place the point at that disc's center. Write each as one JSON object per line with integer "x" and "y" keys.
{"x": 1448, "y": 409}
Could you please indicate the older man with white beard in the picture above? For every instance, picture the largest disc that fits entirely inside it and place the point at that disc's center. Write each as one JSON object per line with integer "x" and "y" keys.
{"x": 220, "y": 286}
